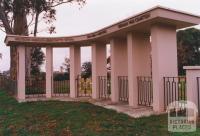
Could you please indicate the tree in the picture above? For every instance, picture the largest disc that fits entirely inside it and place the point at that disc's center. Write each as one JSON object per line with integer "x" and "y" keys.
{"x": 37, "y": 59}
{"x": 66, "y": 65}
{"x": 13, "y": 20}
{"x": 86, "y": 69}
{"x": 188, "y": 42}
{"x": 0, "y": 56}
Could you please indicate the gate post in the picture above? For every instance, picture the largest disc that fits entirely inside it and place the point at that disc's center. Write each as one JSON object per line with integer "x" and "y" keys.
{"x": 75, "y": 69}
{"x": 192, "y": 72}
{"x": 139, "y": 48}
{"x": 98, "y": 66}
{"x": 119, "y": 63}
{"x": 164, "y": 60}
{"x": 21, "y": 73}
{"x": 49, "y": 72}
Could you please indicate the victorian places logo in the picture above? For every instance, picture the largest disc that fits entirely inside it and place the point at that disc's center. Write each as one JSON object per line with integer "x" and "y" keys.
{"x": 182, "y": 116}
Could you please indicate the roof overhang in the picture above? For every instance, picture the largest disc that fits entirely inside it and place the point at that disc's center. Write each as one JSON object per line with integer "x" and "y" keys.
{"x": 140, "y": 23}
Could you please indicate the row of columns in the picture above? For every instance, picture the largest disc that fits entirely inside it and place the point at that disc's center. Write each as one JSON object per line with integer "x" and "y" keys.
{"x": 136, "y": 55}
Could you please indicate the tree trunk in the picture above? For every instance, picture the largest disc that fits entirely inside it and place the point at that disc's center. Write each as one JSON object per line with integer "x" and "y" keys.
{"x": 20, "y": 28}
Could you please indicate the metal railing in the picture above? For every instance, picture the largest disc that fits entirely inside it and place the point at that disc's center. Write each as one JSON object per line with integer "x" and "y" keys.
{"x": 35, "y": 88}
{"x": 145, "y": 91}
{"x": 8, "y": 84}
{"x": 174, "y": 89}
{"x": 61, "y": 88}
{"x": 123, "y": 88}
{"x": 104, "y": 86}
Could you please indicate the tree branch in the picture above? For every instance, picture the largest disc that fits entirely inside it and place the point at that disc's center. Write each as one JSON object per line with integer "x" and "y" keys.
{"x": 52, "y": 6}
{"x": 4, "y": 19}
{"x": 2, "y": 30}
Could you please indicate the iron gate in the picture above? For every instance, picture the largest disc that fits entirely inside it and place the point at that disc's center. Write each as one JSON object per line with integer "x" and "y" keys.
{"x": 84, "y": 87}
{"x": 145, "y": 91}
{"x": 35, "y": 87}
{"x": 61, "y": 88}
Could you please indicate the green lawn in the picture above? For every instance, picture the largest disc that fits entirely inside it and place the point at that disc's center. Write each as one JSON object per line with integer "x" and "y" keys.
{"x": 80, "y": 119}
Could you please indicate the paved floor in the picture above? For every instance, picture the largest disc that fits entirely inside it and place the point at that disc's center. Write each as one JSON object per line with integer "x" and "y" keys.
{"x": 141, "y": 111}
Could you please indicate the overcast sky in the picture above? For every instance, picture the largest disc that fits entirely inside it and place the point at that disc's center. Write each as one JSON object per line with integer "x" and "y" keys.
{"x": 94, "y": 15}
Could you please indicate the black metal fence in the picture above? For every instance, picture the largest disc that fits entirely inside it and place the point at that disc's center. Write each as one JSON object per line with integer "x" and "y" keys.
{"x": 35, "y": 88}
{"x": 83, "y": 87}
{"x": 123, "y": 88}
{"x": 174, "y": 89}
{"x": 9, "y": 85}
{"x": 61, "y": 88}
{"x": 145, "y": 91}
{"x": 104, "y": 86}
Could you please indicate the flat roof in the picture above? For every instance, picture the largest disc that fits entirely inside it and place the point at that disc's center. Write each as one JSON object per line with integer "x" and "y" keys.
{"x": 140, "y": 23}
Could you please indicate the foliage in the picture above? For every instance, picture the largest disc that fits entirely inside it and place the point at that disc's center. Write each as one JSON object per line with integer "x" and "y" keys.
{"x": 33, "y": 9}
{"x": 61, "y": 76}
{"x": 188, "y": 42}
{"x": 21, "y": 17}
{"x": 37, "y": 60}
{"x": 86, "y": 69}
{"x": 66, "y": 65}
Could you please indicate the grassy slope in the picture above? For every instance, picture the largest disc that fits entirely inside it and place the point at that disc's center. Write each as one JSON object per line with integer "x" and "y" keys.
{"x": 80, "y": 119}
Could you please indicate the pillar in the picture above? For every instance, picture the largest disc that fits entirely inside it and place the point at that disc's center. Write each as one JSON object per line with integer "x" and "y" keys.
{"x": 118, "y": 65}
{"x": 139, "y": 62}
{"x": 75, "y": 69}
{"x": 21, "y": 73}
{"x": 99, "y": 63}
{"x": 164, "y": 60}
{"x": 49, "y": 71}
{"x": 192, "y": 72}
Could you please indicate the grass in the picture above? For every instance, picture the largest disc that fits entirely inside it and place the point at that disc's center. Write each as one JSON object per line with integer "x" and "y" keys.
{"x": 75, "y": 119}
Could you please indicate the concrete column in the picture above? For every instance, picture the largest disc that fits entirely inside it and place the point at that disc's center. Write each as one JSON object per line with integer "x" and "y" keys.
{"x": 118, "y": 65}
{"x": 75, "y": 69}
{"x": 164, "y": 60}
{"x": 192, "y": 72}
{"x": 139, "y": 62}
{"x": 49, "y": 71}
{"x": 21, "y": 73}
{"x": 99, "y": 63}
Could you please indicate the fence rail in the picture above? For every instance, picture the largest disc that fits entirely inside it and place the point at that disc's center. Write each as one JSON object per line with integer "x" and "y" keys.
{"x": 123, "y": 88}
{"x": 61, "y": 88}
{"x": 35, "y": 88}
{"x": 145, "y": 91}
{"x": 104, "y": 86}
{"x": 8, "y": 84}
{"x": 174, "y": 89}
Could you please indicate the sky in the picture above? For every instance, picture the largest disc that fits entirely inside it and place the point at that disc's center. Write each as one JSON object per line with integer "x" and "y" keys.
{"x": 73, "y": 20}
